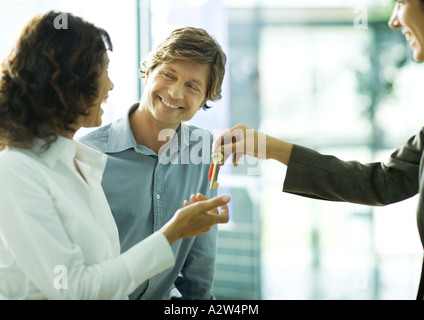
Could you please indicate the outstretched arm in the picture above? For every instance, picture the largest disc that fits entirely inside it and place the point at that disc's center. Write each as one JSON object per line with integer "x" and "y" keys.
{"x": 315, "y": 175}
{"x": 241, "y": 140}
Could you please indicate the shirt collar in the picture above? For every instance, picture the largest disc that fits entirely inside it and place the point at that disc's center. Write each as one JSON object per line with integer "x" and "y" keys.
{"x": 121, "y": 137}
{"x": 67, "y": 150}
{"x": 62, "y": 148}
{"x": 95, "y": 161}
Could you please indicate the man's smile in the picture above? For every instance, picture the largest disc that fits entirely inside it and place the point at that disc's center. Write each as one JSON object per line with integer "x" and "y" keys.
{"x": 169, "y": 105}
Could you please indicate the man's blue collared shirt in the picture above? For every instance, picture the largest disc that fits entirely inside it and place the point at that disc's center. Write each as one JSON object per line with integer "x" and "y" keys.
{"x": 144, "y": 191}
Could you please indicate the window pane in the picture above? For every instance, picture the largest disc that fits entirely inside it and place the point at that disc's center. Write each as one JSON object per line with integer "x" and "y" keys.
{"x": 119, "y": 18}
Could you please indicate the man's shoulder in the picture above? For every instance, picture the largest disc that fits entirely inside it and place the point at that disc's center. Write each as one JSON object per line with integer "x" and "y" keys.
{"x": 98, "y": 138}
{"x": 197, "y": 131}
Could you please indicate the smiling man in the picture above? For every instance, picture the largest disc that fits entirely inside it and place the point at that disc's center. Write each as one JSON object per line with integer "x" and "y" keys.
{"x": 181, "y": 75}
{"x": 174, "y": 92}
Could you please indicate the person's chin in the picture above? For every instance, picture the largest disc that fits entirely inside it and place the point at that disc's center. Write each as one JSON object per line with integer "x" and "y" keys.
{"x": 418, "y": 54}
{"x": 96, "y": 124}
{"x": 419, "y": 57}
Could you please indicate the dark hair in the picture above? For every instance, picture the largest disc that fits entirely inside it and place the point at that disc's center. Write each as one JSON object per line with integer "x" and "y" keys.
{"x": 192, "y": 44}
{"x": 50, "y": 78}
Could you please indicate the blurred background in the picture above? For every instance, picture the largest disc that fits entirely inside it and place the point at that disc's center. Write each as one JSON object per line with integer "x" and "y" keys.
{"x": 326, "y": 74}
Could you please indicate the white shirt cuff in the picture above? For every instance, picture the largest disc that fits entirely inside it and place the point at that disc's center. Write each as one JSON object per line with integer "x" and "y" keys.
{"x": 148, "y": 258}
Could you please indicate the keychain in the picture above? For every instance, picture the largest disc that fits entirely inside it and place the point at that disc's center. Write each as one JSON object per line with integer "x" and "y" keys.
{"x": 217, "y": 161}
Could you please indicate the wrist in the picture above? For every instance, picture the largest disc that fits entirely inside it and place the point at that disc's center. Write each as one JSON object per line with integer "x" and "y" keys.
{"x": 279, "y": 150}
{"x": 170, "y": 234}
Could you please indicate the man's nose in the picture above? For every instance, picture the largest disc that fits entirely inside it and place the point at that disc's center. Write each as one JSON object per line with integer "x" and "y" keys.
{"x": 176, "y": 90}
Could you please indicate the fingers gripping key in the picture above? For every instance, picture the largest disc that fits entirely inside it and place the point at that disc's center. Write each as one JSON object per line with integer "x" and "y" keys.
{"x": 217, "y": 161}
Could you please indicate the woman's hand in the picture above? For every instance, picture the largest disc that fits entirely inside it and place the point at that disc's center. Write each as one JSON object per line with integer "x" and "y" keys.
{"x": 196, "y": 218}
{"x": 241, "y": 140}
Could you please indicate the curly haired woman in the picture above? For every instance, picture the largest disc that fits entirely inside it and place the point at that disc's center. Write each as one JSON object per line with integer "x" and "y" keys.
{"x": 58, "y": 238}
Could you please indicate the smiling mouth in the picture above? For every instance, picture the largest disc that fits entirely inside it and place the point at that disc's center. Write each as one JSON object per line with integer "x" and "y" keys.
{"x": 409, "y": 38}
{"x": 169, "y": 105}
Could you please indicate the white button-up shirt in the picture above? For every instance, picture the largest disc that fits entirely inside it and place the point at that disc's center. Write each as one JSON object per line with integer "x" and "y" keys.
{"x": 58, "y": 238}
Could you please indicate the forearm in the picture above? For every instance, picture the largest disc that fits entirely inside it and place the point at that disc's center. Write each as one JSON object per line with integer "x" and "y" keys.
{"x": 326, "y": 177}
{"x": 278, "y": 150}
{"x": 148, "y": 257}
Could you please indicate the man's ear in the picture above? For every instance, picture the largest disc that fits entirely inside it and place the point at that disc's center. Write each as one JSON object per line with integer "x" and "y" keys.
{"x": 203, "y": 103}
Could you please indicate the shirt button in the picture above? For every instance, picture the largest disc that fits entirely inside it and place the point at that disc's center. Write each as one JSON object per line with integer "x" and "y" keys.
{"x": 157, "y": 196}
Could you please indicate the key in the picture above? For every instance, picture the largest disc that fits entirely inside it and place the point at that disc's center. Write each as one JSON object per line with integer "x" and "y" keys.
{"x": 217, "y": 159}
